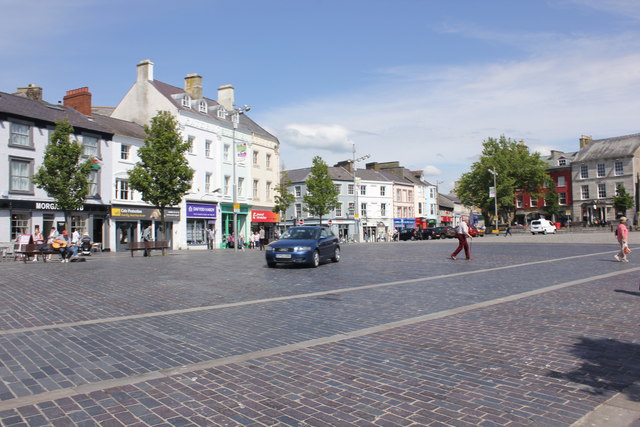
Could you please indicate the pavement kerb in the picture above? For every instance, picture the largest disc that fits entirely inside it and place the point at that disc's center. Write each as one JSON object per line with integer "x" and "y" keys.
{"x": 620, "y": 410}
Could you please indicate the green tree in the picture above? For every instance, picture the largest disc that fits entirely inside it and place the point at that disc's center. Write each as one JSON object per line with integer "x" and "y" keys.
{"x": 162, "y": 176}
{"x": 64, "y": 173}
{"x": 283, "y": 198}
{"x": 552, "y": 201}
{"x": 322, "y": 195}
{"x": 623, "y": 200}
{"x": 516, "y": 167}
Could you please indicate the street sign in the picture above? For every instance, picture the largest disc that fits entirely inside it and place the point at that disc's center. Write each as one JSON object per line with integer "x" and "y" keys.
{"x": 236, "y": 207}
{"x": 301, "y": 222}
{"x": 329, "y": 222}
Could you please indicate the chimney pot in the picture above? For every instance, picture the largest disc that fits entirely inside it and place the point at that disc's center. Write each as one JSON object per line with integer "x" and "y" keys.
{"x": 585, "y": 140}
{"x": 32, "y": 91}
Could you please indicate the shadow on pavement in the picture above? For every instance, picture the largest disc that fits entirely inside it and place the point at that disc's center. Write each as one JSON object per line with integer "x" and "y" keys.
{"x": 609, "y": 365}
{"x": 622, "y": 291}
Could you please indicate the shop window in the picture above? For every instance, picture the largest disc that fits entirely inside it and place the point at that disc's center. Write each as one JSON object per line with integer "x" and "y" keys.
{"x": 196, "y": 231}
{"x": 20, "y": 135}
{"x": 19, "y": 225}
{"x": 79, "y": 223}
{"x": 20, "y": 173}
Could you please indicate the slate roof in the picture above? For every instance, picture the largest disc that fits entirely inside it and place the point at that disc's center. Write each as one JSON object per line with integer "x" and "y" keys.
{"x": 610, "y": 148}
{"x": 246, "y": 123}
{"x": 552, "y": 159}
{"x": 445, "y": 201}
{"x": 121, "y": 127}
{"x": 336, "y": 173}
{"x": 46, "y": 113}
{"x": 395, "y": 178}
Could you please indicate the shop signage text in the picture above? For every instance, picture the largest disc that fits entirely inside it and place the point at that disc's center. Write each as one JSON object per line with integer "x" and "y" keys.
{"x": 201, "y": 211}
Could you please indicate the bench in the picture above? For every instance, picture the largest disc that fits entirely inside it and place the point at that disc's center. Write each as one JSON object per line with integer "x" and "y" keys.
{"x": 32, "y": 249}
{"x": 147, "y": 246}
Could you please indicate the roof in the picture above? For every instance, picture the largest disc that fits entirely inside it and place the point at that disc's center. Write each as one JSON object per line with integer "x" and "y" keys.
{"x": 246, "y": 123}
{"x": 29, "y": 109}
{"x": 337, "y": 173}
{"x": 610, "y": 148}
{"x": 121, "y": 127}
{"x": 445, "y": 201}
{"x": 552, "y": 159}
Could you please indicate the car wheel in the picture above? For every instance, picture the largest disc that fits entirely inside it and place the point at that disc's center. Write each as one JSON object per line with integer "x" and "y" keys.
{"x": 271, "y": 264}
{"x": 315, "y": 259}
{"x": 413, "y": 238}
{"x": 533, "y": 233}
{"x": 336, "y": 255}
{"x": 544, "y": 232}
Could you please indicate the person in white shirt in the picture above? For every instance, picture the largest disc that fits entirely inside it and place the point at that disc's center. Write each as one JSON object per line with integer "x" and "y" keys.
{"x": 462, "y": 233}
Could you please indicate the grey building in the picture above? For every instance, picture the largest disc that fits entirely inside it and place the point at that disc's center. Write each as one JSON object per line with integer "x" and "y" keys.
{"x": 597, "y": 170}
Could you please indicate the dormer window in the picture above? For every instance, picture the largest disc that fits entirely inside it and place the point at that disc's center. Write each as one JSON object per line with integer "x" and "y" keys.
{"x": 562, "y": 162}
{"x": 186, "y": 101}
{"x": 202, "y": 107}
{"x": 222, "y": 114}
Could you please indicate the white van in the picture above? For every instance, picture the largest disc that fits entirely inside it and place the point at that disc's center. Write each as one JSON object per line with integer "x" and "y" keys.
{"x": 542, "y": 226}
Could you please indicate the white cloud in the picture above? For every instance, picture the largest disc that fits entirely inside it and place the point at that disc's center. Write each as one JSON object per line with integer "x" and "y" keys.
{"x": 441, "y": 116}
{"x": 431, "y": 170}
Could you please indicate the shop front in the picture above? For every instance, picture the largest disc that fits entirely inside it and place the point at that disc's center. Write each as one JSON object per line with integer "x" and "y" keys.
{"x": 201, "y": 217}
{"x": 264, "y": 218}
{"x": 226, "y": 215}
{"x": 402, "y": 223}
{"x": 22, "y": 216}
{"x": 128, "y": 222}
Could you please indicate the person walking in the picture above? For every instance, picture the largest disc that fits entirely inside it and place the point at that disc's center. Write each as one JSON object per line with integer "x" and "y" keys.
{"x": 507, "y": 231}
{"x": 147, "y": 237}
{"x": 622, "y": 234}
{"x": 462, "y": 233}
{"x": 262, "y": 238}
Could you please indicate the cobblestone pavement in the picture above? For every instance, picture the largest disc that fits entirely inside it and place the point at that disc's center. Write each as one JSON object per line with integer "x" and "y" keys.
{"x": 535, "y": 330}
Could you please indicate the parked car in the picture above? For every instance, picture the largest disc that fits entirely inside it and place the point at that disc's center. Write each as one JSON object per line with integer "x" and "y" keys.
{"x": 308, "y": 245}
{"x": 447, "y": 231}
{"x": 410, "y": 234}
{"x": 432, "y": 233}
{"x": 475, "y": 231}
{"x": 542, "y": 226}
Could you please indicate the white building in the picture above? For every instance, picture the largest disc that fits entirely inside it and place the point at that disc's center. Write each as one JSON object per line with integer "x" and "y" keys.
{"x": 220, "y": 150}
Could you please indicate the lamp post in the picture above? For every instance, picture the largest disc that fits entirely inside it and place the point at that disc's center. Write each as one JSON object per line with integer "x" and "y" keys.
{"x": 235, "y": 120}
{"x": 356, "y": 215}
{"x": 495, "y": 197}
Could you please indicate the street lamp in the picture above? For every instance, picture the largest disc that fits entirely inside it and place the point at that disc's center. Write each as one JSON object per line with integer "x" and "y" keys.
{"x": 495, "y": 196}
{"x": 235, "y": 120}
{"x": 356, "y": 215}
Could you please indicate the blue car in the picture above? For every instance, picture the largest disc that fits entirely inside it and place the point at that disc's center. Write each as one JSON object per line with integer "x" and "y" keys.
{"x": 304, "y": 245}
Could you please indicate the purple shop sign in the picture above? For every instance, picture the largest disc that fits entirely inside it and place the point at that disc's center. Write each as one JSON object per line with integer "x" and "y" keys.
{"x": 201, "y": 211}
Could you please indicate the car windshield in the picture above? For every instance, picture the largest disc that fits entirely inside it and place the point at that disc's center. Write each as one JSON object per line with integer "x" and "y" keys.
{"x": 301, "y": 234}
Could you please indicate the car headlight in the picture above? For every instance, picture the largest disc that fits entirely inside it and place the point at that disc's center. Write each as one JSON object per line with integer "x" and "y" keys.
{"x": 301, "y": 248}
{"x": 269, "y": 248}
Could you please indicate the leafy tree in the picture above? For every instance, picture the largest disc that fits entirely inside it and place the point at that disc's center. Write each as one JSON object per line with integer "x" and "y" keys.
{"x": 64, "y": 173}
{"x": 162, "y": 176}
{"x": 623, "y": 200}
{"x": 552, "y": 201}
{"x": 283, "y": 198}
{"x": 517, "y": 168}
{"x": 322, "y": 195}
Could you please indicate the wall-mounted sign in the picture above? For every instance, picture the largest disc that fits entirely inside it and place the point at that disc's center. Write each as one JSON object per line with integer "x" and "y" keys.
{"x": 134, "y": 212}
{"x": 264, "y": 216}
{"x": 201, "y": 211}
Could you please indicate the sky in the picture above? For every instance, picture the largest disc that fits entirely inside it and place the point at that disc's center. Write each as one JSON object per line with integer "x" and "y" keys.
{"x": 421, "y": 82}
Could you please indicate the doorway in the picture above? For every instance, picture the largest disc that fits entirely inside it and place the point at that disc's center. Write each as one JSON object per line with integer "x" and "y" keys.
{"x": 125, "y": 233}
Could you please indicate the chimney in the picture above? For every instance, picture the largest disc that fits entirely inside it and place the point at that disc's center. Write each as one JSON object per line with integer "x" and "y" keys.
{"x": 193, "y": 86}
{"x": 346, "y": 164}
{"x": 79, "y": 99}
{"x": 145, "y": 70}
{"x": 32, "y": 91}
{"x": 585, "y": 140}
{"x": 373, "y": 166}
{"x": 226, "y": 97}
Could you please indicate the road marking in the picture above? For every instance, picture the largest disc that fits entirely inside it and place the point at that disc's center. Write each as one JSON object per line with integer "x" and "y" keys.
{"x": 303, "y": 345}
{"x": 291, "y": 297}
